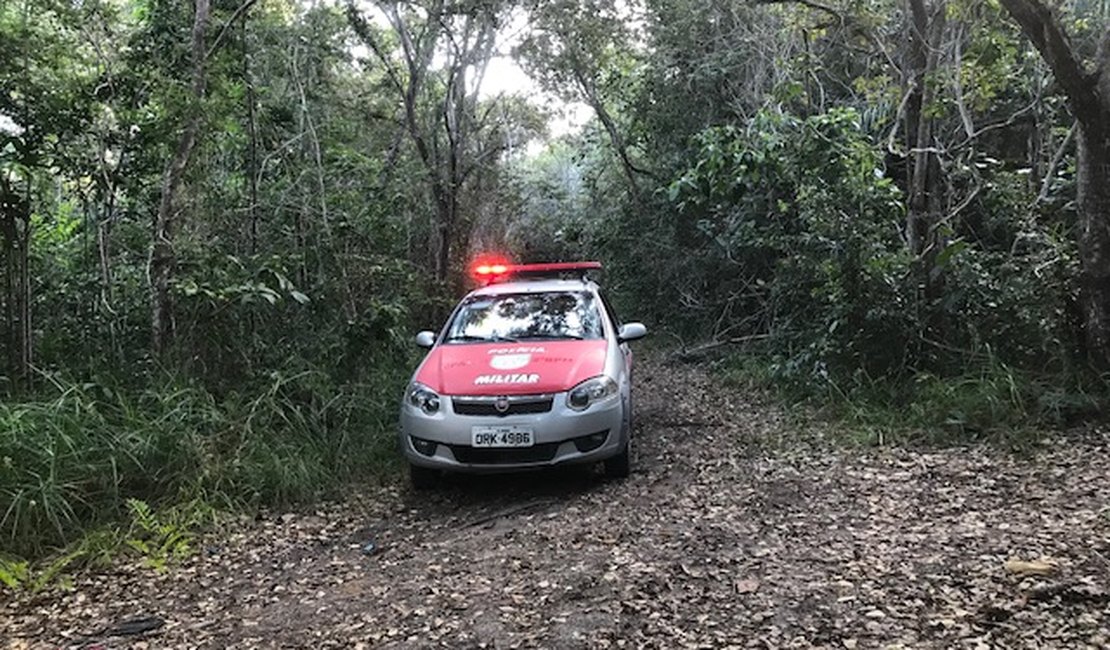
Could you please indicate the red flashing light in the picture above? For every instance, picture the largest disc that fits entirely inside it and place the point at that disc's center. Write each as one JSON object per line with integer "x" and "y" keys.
{"x": 491, "y": 269}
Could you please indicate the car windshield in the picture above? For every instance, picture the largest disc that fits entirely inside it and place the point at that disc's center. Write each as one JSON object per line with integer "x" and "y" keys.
{"x": 520, "y": 316}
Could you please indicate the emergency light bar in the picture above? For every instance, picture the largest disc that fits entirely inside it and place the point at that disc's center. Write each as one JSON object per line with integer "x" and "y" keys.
{"x": 493, "y": 272}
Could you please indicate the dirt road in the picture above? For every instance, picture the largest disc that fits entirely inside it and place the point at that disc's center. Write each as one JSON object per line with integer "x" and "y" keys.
{"x": 736, "y": 529}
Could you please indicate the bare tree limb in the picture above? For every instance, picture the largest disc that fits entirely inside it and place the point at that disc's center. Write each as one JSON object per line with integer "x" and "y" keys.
{"x": 243, "y": 8}
{"x": 610, "y": 125}
{"x": 997, "y": 125}
{"x": 1057, "y": 158}
{"x": 958, "y": 85}
{"x": 366, "y": 35}
{"x": 690, "y": 354}
{"x": 162, "y": 255}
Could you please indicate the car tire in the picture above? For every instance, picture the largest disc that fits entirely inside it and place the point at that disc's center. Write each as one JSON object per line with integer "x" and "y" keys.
{"x": 631, "y": 416}
{"x": 620, "y": 466}
{"x": 423, "y": 478}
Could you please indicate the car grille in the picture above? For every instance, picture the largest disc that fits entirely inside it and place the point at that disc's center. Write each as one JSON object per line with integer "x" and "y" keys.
{"x": 518, "y": 405}
{"x": 482, "y": 456}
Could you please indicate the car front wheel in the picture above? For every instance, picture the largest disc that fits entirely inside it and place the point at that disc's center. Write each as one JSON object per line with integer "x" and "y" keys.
{"x": 620, "y": 466}
{"x": 423, "y": 478}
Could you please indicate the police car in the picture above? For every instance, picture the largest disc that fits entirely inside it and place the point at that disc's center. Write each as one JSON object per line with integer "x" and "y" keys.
{"x": 532, "y": 370}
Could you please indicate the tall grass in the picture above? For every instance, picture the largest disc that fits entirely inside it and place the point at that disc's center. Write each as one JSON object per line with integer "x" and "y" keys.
{"x": 985, "y": 401}
{"x": 71, "y": 462}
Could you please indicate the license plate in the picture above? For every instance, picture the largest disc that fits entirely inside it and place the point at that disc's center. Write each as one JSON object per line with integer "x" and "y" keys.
{"x": 501, "y": 436}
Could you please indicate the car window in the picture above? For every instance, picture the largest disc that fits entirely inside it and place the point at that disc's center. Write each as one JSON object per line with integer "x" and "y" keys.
{"x": 523, "y": 316}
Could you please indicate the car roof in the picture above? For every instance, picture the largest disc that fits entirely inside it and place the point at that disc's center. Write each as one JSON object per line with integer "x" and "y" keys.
{"x": 538, "y": 285}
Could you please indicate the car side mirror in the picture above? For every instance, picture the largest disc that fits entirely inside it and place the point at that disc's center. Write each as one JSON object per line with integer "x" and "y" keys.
{"x": 426, "y": 339}
{"x": 631, "y": 332}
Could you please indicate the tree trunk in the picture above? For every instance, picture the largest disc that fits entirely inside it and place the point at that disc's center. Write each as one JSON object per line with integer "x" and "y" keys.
{"x": 925, "y": 195}
{"x": 252, "y": 142}
{"x": 1088, "y": 95}
{"x": 26, "y": 342}
{"x": 925, "y": 184}
{"x": 15, "y": 231}
{"x": 9, "y": 347}
{"x": 446, "y": 207}
{"x": 163, "y": 258}
{"x": 616, "y": 140}
{"x": 1093, "y": 189}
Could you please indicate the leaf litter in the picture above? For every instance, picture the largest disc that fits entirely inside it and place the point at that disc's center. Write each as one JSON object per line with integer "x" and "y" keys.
{"x": 738, "y": 528}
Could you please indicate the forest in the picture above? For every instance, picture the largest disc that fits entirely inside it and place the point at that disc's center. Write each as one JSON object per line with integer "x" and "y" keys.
{"x": 222, "y": 221}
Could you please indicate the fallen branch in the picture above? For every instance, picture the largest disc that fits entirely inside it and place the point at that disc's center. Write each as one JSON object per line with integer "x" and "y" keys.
{"x": 692, "y": 354}
{"x": 131, "y": 627}
{"x": 1068, "y": 592}
{"x": 682, "y": 425}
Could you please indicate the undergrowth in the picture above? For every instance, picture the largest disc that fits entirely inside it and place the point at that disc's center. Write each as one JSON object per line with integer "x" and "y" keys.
{"x": 988, "y": 402}
{"x": 156, "y": 538}
{"x": 92, "y": 467}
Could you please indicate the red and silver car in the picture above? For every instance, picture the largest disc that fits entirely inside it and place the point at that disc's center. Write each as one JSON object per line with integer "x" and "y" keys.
{"x": 532, "y": 370}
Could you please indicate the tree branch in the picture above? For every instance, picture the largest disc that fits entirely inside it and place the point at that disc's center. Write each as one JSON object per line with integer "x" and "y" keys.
{"x": 958, "y": 85}
{"x": 235, "y": 16}
{"x": 1043, "y": 28}
{"x": 997, "y": 125}
{"x": 1057, "y": 158}
{"x": 363, "y": 31}
{"x": 817, "y": 6}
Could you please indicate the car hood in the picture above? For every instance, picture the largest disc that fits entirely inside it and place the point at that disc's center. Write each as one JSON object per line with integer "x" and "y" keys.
{"x": 511, "y": 369}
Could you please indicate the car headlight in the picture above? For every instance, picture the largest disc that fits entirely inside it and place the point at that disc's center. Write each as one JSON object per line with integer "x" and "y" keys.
{"x": 423, "y": 398}
{"x": 591, "y": 391}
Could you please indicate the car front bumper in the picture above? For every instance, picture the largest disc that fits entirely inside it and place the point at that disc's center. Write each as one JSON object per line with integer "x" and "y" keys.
{"x": 561, "y": 436}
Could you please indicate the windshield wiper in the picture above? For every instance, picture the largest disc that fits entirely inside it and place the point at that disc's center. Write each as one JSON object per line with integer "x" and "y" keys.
{"x": 465, "y": 337}
{"x": 496, "y": 338}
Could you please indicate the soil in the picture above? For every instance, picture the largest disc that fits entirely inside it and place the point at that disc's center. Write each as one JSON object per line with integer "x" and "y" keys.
{"x": 739, "y": 527}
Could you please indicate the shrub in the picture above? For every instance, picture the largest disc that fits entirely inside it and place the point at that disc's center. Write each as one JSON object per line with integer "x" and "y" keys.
{"x": 793, "y": 232}
{"x": 72, "y": 462}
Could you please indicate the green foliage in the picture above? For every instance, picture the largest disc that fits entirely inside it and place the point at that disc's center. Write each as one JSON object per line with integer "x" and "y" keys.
{"x": 746, "y": 179}
{"x": 791, "y": 220}
{"x": 549, "y": 214}
{"x": 161, "y": 540}
{"x": 14, "y": 573}
{"x": 87, "y": 456}
{"x": 989, "y": 402}
{"x": 800, "y": 223}
{"x": 995, "y": 303}
{"x": 22, "y": 575}
{"x": 299, "y": 268}
{"x": 777, "y": 137}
